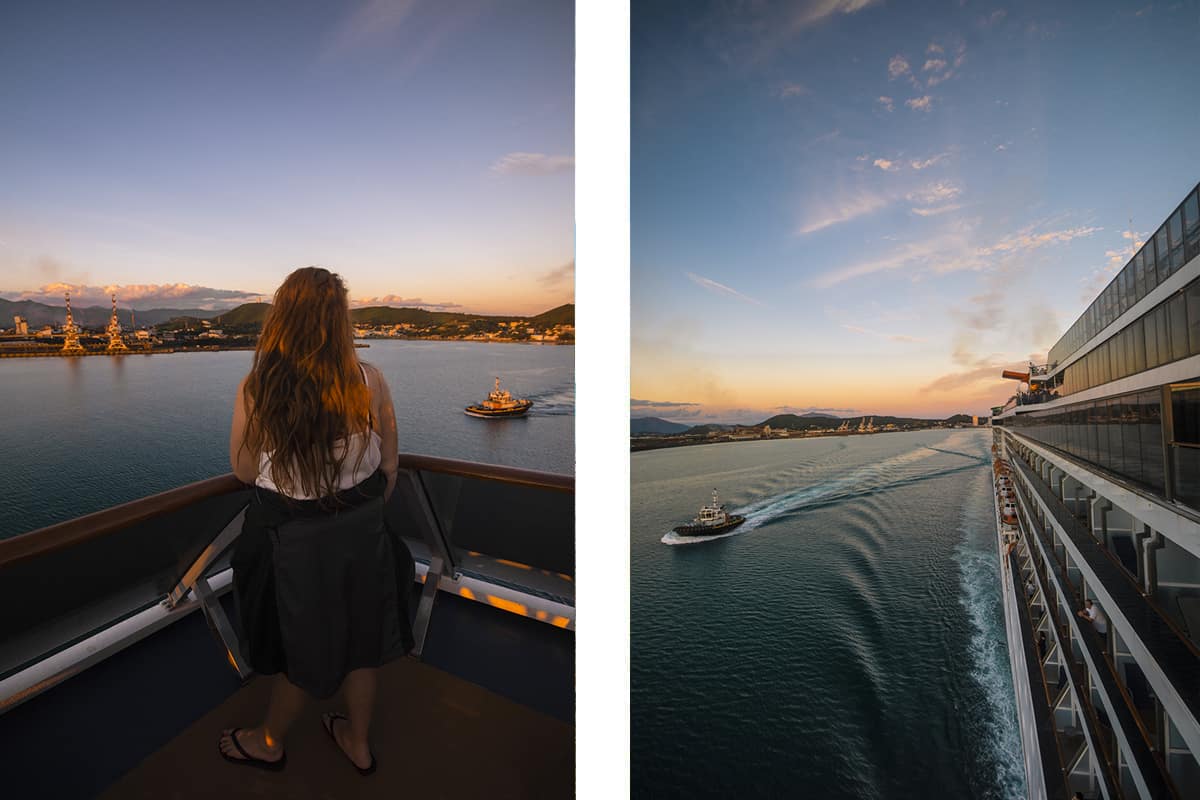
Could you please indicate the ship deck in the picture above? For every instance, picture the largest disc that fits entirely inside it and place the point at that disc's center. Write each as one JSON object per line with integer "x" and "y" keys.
{"x": 107, "y": 689}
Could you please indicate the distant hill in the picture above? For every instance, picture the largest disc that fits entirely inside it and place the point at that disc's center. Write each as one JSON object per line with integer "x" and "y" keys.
{"x": 245, "y": 314}
{"x": 40, "y": 314}
{"x": 654, "y": 425}
{"x": 563, "y": 315}
{"x": 802, "y": 422}
{"x": 712, "y": 427}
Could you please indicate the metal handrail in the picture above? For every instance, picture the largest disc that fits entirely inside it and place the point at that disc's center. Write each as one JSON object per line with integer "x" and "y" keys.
{"x": 111, "y": 520}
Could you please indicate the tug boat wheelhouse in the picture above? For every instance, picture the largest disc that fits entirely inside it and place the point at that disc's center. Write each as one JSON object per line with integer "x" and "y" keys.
{"x": 499, "y": 403}
{"x": 712, "y": 520}
{"x": 1097, "y": 461}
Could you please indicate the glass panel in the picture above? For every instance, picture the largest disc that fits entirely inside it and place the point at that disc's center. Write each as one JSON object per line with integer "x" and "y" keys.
{"x": 1151, "y": 337}
{"x": 1160, "y": 246}
{"x": 1148, "y": 266}
{"x": 1137, "y": 339}
{"x": 1175, "y": 231}
{"x": 1139, "y": 277}
{"x": 1130, "y": 437}
{"x": 1116, "y": 455}
{"x": 1114, "y": 359}
{"x": 1123, "y": 297}
{"x": 1177, "y": 319}
{"x": 1185, "y": 410}
{"x": 1193, "y": 315}
{"x": 1093, "y": 427}
{"x": 1191, "y": 225}
{"x": 1163, "y": 332}
{"x": 1151, "y": 429}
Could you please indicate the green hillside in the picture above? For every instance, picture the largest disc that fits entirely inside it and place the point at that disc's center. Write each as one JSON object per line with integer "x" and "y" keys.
{"x": 245, "y": 314}
{"x": 563, "y": 315}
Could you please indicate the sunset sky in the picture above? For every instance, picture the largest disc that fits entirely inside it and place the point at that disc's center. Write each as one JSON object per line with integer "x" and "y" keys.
{"x": 191, "y": 155}
{"x": 866, "y": 207}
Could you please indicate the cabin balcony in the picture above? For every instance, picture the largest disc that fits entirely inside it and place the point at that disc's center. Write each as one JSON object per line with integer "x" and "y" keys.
{"x": 111, "y": 685}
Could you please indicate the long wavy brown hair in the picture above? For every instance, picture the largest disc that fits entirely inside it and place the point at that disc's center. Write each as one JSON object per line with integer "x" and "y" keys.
{"x": 305, "y": 392}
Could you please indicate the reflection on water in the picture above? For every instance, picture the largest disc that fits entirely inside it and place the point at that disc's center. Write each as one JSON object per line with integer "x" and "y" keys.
{"x": 81, "y": 434}
{"x": 846, "y": 642}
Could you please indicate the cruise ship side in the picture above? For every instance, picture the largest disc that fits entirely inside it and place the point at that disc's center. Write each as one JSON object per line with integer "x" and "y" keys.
{"x": 1097, "y": 461}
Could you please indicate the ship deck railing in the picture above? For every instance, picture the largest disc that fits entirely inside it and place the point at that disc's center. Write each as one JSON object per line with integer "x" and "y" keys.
{"x": 1168, "y": 647}
{"x": 88, "y": 603}
{"x": 1048, "y": 570}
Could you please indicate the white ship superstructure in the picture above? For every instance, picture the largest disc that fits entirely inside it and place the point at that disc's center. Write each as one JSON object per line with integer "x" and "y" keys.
{"x": 1098, "y": 529}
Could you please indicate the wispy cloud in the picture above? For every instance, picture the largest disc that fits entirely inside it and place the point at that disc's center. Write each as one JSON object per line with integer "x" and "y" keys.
{"x": 935, "y": 64}
{"x": 924, "y": 103}
{"x": 892, "y": 337}
{"x": 919, "y": 164}
{"x": 139, "y": 296}
{"x": 886, "y": 166}
{"x": 532, "y": 164}
{"x": 372, "y": 24}
{"x": 712, "y": 285}
{"x": 846, "y": 209}
{"x": 793, "y": 90}
{"x": 745, "y": 34}
{"x": 664, "y": 408}
{"x": 951, "y": 251}
{"x": 888, "y": 103}
{"x": 1117, "y": 259}
{"x": 898, "y": 67}
{"x": 938, "y": 192}
{"x": 936, "y": 210}
{"x": 558, "y": 276}
{"x": 400, "y": 301}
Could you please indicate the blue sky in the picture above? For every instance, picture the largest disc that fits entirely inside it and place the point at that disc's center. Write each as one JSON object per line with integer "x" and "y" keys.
{"x": 196, "y": 153}
{"x": 867, "y": 206}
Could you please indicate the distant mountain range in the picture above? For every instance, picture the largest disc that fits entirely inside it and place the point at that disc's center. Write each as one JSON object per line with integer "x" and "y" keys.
{"x": 654, "y": 425}
{"x": 253, "y": 314}
{"x": 40, "y": 314}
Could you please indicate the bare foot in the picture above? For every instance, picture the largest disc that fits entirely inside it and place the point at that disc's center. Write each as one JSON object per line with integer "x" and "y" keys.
{"x": 338, "y": 726}
{"x": 252, "y": 741}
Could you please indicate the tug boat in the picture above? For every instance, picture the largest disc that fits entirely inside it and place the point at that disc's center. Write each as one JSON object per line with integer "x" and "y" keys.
{"x": 712, "y": 520}
{"x": 499, "y": 403}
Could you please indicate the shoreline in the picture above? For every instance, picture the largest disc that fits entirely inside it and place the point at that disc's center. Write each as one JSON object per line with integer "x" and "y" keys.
{"x": 641, "y": 444}
{"x": 358, "y": 343}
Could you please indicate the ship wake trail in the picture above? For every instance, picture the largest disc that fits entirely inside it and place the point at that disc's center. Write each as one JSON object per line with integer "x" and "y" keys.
{"x": 900, "y": 470}
{"x": 556, "y": 402}
{"x": 995, "y": 716}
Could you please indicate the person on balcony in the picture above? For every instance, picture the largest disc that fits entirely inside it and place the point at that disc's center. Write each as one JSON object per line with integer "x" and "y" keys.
{"x": 314, "y": 431}
{"x": 1092, "y": 613}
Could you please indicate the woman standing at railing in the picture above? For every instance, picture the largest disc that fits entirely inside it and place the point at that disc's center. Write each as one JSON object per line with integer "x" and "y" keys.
{"x": 315, "y": 570}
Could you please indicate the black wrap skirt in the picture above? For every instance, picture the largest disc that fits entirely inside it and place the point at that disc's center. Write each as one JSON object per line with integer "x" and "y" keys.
{"x": 321, "y": 592}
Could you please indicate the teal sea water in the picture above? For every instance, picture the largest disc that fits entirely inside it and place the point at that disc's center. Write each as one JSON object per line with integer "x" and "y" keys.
{"x": 79, "y": 435}
{"x": 847, "y": 641}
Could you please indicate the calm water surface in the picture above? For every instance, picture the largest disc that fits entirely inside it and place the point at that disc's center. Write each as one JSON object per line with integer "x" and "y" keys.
{"x": 79, "y": 435}
{"x": 846, "y": 642}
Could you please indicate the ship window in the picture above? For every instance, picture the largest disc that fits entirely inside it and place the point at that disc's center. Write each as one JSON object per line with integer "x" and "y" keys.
{"x": 1160, "y": 247}
{"x": 1124, "y": 297}
{"x": 1114, "y": 359}
{"x": 1177, "y": 318}
{"x": 1116, "y": 457}
{"x": 1193, "y": 315}
{"x": 1191, "y": 226}
{"x": 1139, "y": 277}
{"x": 1185, "y": 456}
{"x": 1148, "y": 326}
{"x": 1130, "y": 436}
{"x": 1175, "y": 230}
{"x": 1163, "y": 332}
{"x": 1150, "y": 426}
{"x": 1137, "y": 344}
{"x": 1148, "y": 269}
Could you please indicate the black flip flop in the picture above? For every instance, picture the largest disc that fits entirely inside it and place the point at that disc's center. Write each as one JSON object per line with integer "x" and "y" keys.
{"x": 327, "y": 720}
{"x": 247, "y": 759}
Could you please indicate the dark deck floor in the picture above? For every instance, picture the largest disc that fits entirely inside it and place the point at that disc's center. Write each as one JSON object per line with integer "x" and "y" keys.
{"x": 434, "y": 735}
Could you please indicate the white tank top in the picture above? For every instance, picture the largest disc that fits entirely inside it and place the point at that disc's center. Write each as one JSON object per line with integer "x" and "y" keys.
{"x": 354, "y": 470}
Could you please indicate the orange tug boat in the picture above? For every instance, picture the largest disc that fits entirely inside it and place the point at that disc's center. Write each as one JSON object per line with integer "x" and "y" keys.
{"x": 499, "y": 403}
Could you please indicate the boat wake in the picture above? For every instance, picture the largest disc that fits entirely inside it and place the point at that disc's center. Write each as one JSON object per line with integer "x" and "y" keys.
{"x": 900, "y": 470}
{"x": 557, "y": 402}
